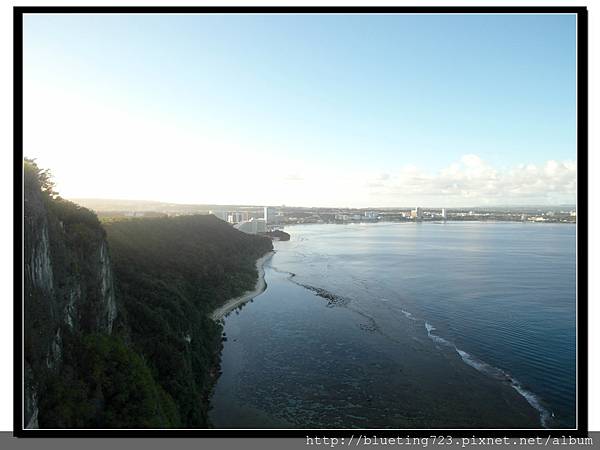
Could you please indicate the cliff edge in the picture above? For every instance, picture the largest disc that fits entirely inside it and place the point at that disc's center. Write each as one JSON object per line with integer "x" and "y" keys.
{"x": 68, "y": 282}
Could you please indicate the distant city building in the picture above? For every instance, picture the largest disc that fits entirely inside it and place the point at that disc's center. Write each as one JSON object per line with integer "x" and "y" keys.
{"x": 269, "y": 214}
{"x": 237, "y": 216}
{"x": 343, "y": 217}
{"x": 252, "y": 226}
{"x": 261, "y": 226}
{"x": 247, "y": 226}
{"x": 417, "y": 213}
{"x": 371, "y": 215}
{"x": 444, "y": 214}
{"x": 573, "y": 213}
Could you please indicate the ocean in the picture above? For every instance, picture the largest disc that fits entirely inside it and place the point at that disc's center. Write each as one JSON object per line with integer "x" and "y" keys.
{"x": 407, "y": 325}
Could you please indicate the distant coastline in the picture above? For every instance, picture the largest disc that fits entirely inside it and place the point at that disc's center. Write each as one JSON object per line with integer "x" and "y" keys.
{"x": 261, "y": 285}
{"x": 408, "y": 222}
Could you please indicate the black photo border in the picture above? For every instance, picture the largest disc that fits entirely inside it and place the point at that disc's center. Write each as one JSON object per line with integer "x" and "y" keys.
{"x": 582, "y": 221}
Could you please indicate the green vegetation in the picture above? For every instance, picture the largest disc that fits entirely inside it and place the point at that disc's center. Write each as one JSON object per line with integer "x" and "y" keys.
{"x": 171, "y": 273}
{"x": 154, "y": 366}
{"x": 37, "y": 178}
{"x": 71, "y": 217}
{"x": 104, "y": 384}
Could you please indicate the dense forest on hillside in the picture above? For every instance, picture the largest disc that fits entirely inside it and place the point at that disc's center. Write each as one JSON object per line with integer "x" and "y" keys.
{"x": 79, "y": 372}
{"x": 117, "y": 333}
{"x": 170, "y": 274}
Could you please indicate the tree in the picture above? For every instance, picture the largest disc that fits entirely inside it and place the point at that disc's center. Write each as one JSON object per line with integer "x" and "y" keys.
{"x": 44, "y": 176}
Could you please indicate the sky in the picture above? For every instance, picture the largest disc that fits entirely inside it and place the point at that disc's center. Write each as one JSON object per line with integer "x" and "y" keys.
{"x": 304, "y": 110}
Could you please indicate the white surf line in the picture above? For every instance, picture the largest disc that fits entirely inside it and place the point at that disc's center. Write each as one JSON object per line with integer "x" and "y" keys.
{"x": 491, "y": 371}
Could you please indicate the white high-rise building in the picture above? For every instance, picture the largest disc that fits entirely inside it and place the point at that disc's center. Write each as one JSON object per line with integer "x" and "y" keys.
{"x": 269, "y": 214}
{"x": 417, "y": 213}
{"x": 247, "y": 226}
{"x": 444, "y": 215}
{"x": 237, "y": 216}
{"x": 261, "y": 226}
{"x": 252, "y": 226}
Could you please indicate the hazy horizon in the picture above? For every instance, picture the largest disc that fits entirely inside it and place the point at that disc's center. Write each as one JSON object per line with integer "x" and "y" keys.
{"x": 257, "y": 205}
{"x": 306, "y": 110}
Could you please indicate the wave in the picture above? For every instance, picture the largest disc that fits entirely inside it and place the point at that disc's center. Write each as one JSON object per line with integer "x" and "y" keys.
{"x": 491, "y": 371}
{"x": 545, "y": 415}
{"x": 408, "y": 315}
{"x": 470, "y": 360}
{"x": 435, "y": 338}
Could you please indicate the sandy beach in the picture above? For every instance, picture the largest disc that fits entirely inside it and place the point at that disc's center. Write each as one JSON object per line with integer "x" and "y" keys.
{"x": 261, "y": 285}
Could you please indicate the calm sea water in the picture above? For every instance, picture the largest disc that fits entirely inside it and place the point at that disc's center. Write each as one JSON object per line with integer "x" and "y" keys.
{"x": 432, "y": 325}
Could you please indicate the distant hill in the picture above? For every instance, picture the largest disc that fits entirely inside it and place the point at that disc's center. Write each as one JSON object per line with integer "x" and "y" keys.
{"x": 115, "y": 205}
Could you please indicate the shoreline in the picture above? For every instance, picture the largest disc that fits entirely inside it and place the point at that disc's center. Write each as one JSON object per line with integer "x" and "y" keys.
{"x": 259, "y": 288}
{"x": 400, "y": 222}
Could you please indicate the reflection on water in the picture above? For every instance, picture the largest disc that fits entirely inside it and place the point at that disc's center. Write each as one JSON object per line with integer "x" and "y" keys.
{"x": 343, "y": 336}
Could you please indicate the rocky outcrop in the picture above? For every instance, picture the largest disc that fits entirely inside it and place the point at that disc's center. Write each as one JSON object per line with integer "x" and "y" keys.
{"x": 107, "y": 289}
{"x": 277, "y": 235}
{"x": 68, "y": 284}
{"x": 40, "y": 265}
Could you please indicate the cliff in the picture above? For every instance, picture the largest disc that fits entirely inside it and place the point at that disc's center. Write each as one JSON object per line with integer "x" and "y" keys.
{"x": 68, "y": 282}
{"x": 116, "y": 315}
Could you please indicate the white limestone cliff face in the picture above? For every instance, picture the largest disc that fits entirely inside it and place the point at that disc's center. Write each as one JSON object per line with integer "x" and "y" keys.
{"x": 40, "y": 264}
{"x": 69, "y": 288}
{"x": 70, "y": 311}
{"x": 79, "y": 292}
{"x": 107, "y": 287}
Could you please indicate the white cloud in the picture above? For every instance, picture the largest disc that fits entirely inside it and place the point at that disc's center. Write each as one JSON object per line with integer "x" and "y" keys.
{"x": 472, "y": 181}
